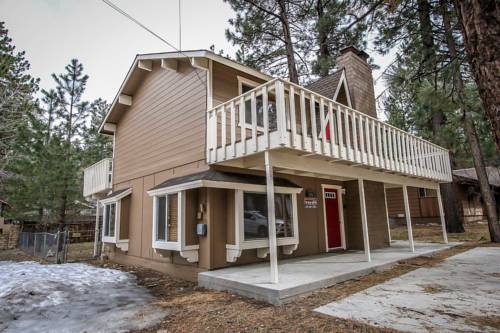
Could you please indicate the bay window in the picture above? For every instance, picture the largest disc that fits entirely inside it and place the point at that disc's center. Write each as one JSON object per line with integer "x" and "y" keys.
{"x": 255, "y": 215}
{"x": 109, "y": 220}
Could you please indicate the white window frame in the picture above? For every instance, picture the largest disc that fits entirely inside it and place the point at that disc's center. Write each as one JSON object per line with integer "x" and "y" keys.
{"x": 289, "y": 244}
{"x": 110, "y": 239}
{"x": 340, "y": 192}
{"x": 121, "y": 243}
{"x": 244, "y": 81}
{"x": 189, "y": 252}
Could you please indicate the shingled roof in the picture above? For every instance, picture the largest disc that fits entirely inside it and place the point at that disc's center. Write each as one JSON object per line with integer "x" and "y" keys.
{"x": 470, "y": 174}
{"x": 327, "y": 86}
{"x": 219, "y": 176}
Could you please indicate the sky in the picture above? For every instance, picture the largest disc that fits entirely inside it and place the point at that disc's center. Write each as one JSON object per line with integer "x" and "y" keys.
{"x": 52, "y": 32}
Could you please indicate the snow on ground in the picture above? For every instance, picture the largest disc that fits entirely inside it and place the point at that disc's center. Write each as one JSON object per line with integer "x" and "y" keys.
{"x": 72, "y": 298}
{"x": 460, "y": 294}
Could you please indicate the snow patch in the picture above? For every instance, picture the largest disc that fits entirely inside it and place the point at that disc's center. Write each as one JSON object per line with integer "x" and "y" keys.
{"x": 72, "y": 298}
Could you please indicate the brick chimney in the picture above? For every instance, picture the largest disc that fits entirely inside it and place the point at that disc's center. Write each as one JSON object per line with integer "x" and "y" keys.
{"x": 359, "y": 78}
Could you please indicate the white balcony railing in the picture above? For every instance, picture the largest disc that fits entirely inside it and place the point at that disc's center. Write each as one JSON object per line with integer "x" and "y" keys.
{"x": 97, "y": 178}
{"x": 280, "y": 114}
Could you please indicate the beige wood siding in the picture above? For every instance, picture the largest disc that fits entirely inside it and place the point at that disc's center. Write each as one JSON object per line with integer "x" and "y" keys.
{"x": 165, "y": 126}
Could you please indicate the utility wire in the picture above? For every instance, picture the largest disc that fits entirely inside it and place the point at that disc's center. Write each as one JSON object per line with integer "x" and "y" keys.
{"x": 130, "y": 17}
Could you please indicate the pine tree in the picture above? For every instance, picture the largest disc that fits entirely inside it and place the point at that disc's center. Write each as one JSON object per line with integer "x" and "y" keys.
{"x": 17, "y": 90}
{"x": 72, "y": 116}
{"x": 96, "y": 145}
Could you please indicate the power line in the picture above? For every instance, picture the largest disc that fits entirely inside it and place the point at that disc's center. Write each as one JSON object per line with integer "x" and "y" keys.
{"x": 130, "y": 17}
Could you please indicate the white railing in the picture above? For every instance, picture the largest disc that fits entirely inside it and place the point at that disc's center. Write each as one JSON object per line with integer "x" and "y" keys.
{"x": 97, "y": 178}
{"x": 280, "y": 114}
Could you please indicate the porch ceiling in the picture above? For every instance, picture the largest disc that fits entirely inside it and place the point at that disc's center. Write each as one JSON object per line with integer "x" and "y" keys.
{"x": 290, "y": 161}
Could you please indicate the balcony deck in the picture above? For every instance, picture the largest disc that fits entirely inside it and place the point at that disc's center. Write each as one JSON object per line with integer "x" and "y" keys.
{"x": 97, "y": 178}
{"x": 282, "y": 115}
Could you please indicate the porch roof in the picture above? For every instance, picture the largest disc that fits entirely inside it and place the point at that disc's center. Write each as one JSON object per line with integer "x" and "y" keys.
{"x": 227, "y": 177}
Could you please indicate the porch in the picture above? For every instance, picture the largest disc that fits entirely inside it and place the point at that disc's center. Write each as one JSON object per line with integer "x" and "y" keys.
{"x": 300, "y": 276}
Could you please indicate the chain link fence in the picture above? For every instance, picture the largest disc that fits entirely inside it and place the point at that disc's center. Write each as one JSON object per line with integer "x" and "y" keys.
{"x": 52, "y": 247}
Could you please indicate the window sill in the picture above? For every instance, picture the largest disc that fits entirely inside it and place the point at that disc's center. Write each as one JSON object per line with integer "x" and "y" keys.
{"x": 188, "y": 252}
{"x": 288, "y": 244}
{"x": 122, "y": 244}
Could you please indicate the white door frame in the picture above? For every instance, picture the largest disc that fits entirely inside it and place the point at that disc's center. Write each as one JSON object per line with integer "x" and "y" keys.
{"x": 341, "y": 216}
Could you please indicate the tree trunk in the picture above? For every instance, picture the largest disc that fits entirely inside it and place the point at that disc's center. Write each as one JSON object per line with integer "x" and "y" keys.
{"x": 453, "y": 212}
{"x": 480, "y": 24}
{"x": 290, "y": 56}
{"x": 470, "y": 132}
{"x": 324, "y": 52}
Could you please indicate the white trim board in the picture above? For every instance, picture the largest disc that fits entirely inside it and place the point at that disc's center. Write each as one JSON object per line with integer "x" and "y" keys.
{"x": 220, "y": 184}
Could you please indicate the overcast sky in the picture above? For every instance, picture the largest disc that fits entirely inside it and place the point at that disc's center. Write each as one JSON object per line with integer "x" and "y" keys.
{"x": 54, "y": 31}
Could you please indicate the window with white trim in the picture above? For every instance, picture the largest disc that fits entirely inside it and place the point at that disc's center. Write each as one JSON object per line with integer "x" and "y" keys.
{"x": 255, "y": 224}
{"x": 245, "y": 85}
{"x": 166, "y": 218}
{"x": 109, "y": 220}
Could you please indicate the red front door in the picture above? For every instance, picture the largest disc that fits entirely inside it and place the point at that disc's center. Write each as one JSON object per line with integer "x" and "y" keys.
{"x": 332, "y": 218}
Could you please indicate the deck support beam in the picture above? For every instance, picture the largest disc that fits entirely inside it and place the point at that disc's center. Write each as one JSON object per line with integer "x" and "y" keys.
{"x": 408, "y": 218}
{"x": 387, "y": 215}
{"x": 441, "y": 215}
{"x": 364, "y": 219}
{"x": 273, "y": 247}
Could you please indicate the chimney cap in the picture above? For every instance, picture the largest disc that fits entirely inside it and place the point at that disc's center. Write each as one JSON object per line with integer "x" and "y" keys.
{"x": 361, "y": 54}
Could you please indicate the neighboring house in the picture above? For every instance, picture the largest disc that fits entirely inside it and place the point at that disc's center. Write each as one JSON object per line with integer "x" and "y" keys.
{"x": 200, "y": 142}
{"x": 424, "y": 205}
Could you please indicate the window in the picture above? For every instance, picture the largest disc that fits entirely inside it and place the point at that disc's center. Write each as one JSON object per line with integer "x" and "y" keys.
{"x": 109, "y": 220}
{"x": 166, "y": 218}
{"x": 246, "y": 85}
{"x": 426, "y": 193}
{"x": 255, "y": 215}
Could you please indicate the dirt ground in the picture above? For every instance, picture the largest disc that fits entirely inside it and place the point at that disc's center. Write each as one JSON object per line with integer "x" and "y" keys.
{"x": 475, "y": 232}
{"x": 194, "y": 309}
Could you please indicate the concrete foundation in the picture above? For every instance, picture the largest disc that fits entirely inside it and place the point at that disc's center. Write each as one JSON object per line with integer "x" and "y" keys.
{"x": 300, "y": 276}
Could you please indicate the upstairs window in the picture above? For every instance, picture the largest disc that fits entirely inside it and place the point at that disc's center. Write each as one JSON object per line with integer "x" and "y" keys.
{"x": 244, "y": 86}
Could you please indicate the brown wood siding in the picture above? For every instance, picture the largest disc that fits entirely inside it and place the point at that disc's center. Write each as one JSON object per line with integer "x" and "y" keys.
{"x": 124, "y": 217}
{"x": 172, "y": 217}
{"x": 395, "y": 202}
{"x": 375, "y": 211}
{"x": 165, "y": 126}
{"x": 192, "y": 208}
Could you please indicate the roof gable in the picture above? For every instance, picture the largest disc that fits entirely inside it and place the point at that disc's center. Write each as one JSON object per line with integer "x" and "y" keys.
{"x": 332, "y": 85}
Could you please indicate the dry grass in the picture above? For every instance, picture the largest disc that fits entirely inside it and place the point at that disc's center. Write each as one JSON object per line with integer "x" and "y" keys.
{"x": 474, "y": 232}
{"x": 195, "y": 309}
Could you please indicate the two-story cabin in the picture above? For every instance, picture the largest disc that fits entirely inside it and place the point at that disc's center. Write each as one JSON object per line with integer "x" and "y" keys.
{"x": 205, "y": 149}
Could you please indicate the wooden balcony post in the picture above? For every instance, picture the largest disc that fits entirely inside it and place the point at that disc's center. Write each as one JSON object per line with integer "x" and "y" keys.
{"x": 280, "y": 110}
{"x": 273, "y": 245}
{"x": 408, "y": 218}
{"x": 441, "y": 215}
{"x": 364, "y": 219}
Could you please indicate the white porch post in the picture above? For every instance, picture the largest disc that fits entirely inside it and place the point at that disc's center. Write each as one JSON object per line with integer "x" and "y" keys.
{"x": 387, "y": 214}
{"x": 441, "y": 215}
{"x": 408, "y": 218}
{"x": 96, "y": 230}
{"x": 364, "y": 219}
{"x": 273, "y": 250}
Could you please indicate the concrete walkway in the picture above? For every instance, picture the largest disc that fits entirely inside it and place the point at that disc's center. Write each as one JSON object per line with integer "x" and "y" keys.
{"x": 460, "y": 294}
{"x": 303, "y": 275}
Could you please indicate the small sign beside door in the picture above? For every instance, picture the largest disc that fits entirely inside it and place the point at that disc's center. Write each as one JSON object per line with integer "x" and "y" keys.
{"x": 310, "y": 202}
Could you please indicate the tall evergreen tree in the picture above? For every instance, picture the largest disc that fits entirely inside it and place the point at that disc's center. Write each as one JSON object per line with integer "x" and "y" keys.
{"x": 96, "y": 146}
{"x": 17, "y": 90}
{"x": 72, "y": 116}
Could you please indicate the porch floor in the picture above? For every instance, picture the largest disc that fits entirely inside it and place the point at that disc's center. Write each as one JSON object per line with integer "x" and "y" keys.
{"x": 299, "y": 276}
